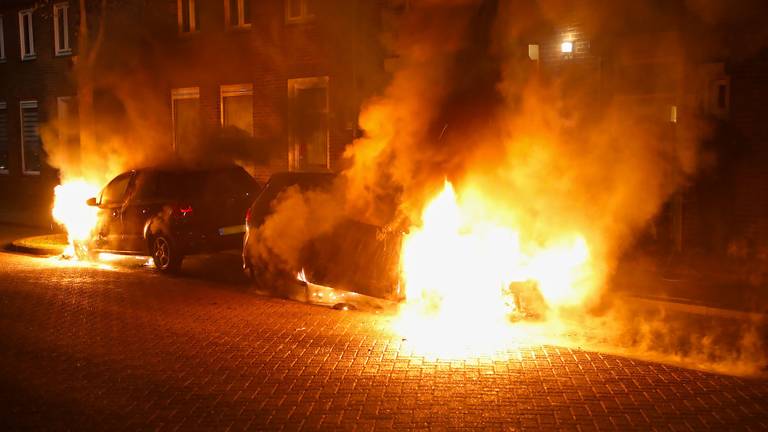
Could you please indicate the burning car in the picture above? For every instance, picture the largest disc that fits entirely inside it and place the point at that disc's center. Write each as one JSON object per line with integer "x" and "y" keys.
{"x": 168, "y": 213}
{"x": 342, "y": 262}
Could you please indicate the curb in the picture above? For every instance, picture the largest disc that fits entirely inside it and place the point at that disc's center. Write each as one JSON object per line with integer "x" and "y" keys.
{"x": 38, "y": 245}
{"x": 684, "y": 305}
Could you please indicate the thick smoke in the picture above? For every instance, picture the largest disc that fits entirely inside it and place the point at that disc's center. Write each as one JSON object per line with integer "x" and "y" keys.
{"x": 563, "y": 146}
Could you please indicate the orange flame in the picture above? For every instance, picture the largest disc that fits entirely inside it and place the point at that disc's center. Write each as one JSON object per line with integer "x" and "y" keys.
{"x": 458, "y": 268}
{"x": 71, "y": 211}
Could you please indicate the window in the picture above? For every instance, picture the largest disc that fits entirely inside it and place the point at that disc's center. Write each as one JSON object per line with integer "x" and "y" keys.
{"x": 4, "y": 169}
{"x": 673, "y": 113}
{"x": 114, "y": 192}
{"x": 61, "y": 28}
{"x": 237, "y": 13}
{"x": 2, "y": 40}
{"x": 31, "y": 150}
{"x": 308, "y": 130}
{"x": 237, "y": 107}
{"x": 185, "y": 110}
{"x": 68, "y": 122}
{"x": 299, "y": 11}
{"x": 26, "y": 37}
{"x": 188, "y": 20}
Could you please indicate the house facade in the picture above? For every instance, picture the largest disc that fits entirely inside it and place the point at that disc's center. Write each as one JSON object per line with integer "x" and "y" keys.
{"x": 37, "y": 53}
{"x": 275, "y": 85}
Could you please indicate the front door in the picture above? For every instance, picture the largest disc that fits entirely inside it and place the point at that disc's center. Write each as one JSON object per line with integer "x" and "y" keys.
{"x": 140, "y": 205}
{"x": 109, "y": 231}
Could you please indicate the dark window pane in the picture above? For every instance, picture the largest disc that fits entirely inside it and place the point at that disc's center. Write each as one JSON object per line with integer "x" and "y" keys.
{"x": 312, "y": 126}
{"x": 247, "y": 11}
{"x": 185, "y": 16}
{"x": 197, "y": 16}
{"x": 3, "y": 140}
{"x": 294, "y": 8}
{"x": 238, "y": 112}
{"x": 31, "y": 139}
{"x": 186, "y": 121}
{"x": 233, "y": 13}
{"x": 27, "y": 37}
{"x": 62, "y": 35}
{"x": 145, "y": 188}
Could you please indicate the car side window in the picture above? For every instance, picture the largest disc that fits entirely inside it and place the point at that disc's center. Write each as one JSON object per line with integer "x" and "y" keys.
{"x": 114, "y": 193}
{"x": 145, "y": 186}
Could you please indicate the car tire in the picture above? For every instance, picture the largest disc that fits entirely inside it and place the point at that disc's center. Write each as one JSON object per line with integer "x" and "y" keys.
{"x": 165, "y": 254}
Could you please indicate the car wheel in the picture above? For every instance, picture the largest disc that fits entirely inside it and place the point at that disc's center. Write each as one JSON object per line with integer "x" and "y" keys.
{"x": 165, "y": 255}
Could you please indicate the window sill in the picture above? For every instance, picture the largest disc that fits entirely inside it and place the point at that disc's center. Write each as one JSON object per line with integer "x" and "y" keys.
{"x": 4, "y": 172}
{"x": 29, "y": 57}
{"x": 64, "y": 53}
{"x": 32, "y": 173}
{"x": 2, "y": 60}
{"x": 300, "y": 20}
{"x": 240, "y": 28}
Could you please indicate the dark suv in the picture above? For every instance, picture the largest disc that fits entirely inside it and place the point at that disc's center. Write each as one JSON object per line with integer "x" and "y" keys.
{"x": 351, "y": 256}
{"x": 168, "y": 213}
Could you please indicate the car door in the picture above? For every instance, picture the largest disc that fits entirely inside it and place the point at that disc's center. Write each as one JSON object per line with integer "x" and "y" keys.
{"x": 140, "y": 205}
{"x": 111, "y": 200}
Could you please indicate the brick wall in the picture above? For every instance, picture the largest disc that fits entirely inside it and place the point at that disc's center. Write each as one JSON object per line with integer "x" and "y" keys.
{"x": 267, "y": 55}
{"x": 43, "y": 79}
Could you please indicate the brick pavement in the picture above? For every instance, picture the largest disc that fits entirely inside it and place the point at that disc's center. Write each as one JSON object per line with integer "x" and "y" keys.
{"x": 131, "y": 349}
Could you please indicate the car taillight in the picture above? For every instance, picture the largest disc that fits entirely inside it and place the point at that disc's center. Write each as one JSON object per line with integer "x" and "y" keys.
{"x": 184, "y": 211}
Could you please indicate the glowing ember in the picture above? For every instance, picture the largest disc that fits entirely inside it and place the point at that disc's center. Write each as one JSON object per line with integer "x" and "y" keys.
{"x": 71, "y": 211}
{"x": 460, "y": 272}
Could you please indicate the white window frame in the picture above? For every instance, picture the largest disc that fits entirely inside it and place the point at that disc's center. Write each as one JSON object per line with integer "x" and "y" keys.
{"x": 192, "y": 16}
{"x": 62, "y": 48}
{"x": 241, "y": 24}
{"x": 2, "y": 39}
{"x": 27, "y": 54}
{"x": 4, "y": 106}
{"x": 304, "y": 16}
{"x": 294, "y": 150}
{"x": 22, "y": 105}
{"x": 177, "y": 94}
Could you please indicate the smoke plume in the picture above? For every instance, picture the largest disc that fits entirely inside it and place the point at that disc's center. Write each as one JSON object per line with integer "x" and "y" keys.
{"x": 569, "y": 143}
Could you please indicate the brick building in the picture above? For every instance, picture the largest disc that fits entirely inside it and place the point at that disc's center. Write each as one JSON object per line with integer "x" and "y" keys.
{"x": 286, "y": 77}
{"x": 37, "y": 51}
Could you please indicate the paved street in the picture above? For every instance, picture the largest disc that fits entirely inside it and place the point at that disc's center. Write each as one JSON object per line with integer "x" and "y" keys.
{"x": 126, "y": 348}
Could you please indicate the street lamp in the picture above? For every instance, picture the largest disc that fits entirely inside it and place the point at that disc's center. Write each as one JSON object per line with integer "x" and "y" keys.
{"x": 566, "y": 47}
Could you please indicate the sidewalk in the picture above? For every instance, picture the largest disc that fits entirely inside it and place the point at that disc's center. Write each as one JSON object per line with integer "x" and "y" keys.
{"x": 45, "y": 244}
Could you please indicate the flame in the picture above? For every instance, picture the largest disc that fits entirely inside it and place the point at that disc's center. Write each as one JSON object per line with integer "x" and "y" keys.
{"x": 458, "y": 268}
{"x": 71, "y": 212}
{"x": 302, "y": 276}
